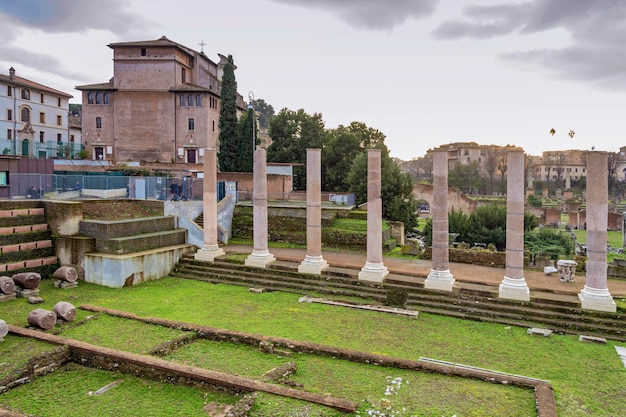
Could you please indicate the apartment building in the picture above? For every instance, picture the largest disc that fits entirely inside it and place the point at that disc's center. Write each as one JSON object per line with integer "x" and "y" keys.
{"x": 34, "y": 119}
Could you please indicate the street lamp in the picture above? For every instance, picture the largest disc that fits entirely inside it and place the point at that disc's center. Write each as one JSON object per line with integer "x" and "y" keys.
{"x": 250, "y": 108}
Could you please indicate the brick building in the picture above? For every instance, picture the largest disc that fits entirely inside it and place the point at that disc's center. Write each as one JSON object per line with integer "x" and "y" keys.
{"x": 161, "y": 105}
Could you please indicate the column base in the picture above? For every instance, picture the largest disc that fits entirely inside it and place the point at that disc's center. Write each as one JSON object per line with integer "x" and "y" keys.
{"x": 208, "y": 253}
{"x": 439, "y": 280}
{"x": 259, "y": 259}
{"x": 514, "y": 289}
{"x": 373, "y": 272}
{"x": 313, "y": 265}
{"x": 597, "y": 299}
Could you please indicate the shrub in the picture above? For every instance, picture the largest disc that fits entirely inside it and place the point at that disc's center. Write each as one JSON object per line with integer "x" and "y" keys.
{"x": 552, "y": 241}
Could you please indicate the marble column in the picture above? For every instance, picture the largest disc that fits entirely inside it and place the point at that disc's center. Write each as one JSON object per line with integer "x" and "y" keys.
{"x": 514, "y": 285}
{"x": 595, "y": 295}
{"x": 260, "y": 255}
{"x": 210, "y": 249}
{"x": 440, "y": 277}
{"x": 313, "y": 262}
{"x": 374, "y": 270}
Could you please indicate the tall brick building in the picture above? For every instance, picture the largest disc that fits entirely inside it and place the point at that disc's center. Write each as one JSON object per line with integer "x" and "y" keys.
{"x": 162, "y": 104}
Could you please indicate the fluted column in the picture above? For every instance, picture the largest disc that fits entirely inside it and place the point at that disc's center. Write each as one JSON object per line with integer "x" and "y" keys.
{"x": 313, "y": 262}
{"x": 440, "y": 277}
{"x": 260, "y": 255}
{"x": 595, "y": 295}
{"x": 210, "y": 248}
{"x": 514, "y": 285}
{"x": 374, "y": 270}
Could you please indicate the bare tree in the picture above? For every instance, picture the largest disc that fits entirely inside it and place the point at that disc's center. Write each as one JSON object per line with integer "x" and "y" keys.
{"x": 491, "y": 164}
{"x": 502, "y": 167}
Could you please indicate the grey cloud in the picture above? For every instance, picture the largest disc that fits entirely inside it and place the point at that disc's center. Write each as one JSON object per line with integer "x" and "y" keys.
{"x": 597, "y": 31}
{"x": 370, "y": 14}
{"x": 70, "y": 16}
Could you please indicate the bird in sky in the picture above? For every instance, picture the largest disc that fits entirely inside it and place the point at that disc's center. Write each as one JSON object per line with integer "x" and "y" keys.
{"x": 552, "y": 132}
{"x": 571, "y": 134}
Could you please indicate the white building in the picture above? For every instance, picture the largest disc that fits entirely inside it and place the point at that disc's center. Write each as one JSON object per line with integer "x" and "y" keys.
{"x": 34, "y": 120}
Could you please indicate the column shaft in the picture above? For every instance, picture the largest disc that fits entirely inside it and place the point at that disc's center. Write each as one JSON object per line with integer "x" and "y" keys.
{"x": 260, "y": 255}
{"x": 210, "y": 248}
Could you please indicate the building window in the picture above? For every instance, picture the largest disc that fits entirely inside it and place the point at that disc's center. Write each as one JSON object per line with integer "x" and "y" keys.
{"x": 9, "y": 114}
{"x": 25, "y": 94}
{"x": 190, "y": 100}
{"x": 42, "y": 117}
{"x": 144, "y": 52}
{"x": 469, "y": 159}
{"x": 105, "y": 98}
{"x": 213, "y": 125}
{"x": 191, "y": 123}
{"x": 72, "y": 138}
{"x": 59, "y": 120}
{"x": 42, "y": 137}
{"x": 199, "y": 100}
{"x": 183, "y": 75}
{"x": 26, "y": 114}
{"x": 98, "y": 122}
{"x": 41, "y": 100}
{"x": 59, "y": 138}
{"x": 89, "y": 98}
{"x": 183, "y": 100}
{"x": 98, "y": 98}
{"x": 9, "y": 91}
{"x": 59, "y": 102}
{"x": 3, "y": 177}
{"x": 9, "y": 134}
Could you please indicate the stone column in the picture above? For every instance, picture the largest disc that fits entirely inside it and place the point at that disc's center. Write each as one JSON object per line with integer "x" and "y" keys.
{"x": 595, "y": 295}
{"x": 260, "y": 255}
{"x": 313, "y": 262}
{"x": 210, "y": 249}
{"x": 440, "y": 277}
{"x": 374, "y": 270}
{"x": 514, "y": 285}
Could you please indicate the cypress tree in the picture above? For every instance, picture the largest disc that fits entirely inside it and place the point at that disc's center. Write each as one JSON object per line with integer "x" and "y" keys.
{"x": 228, "y": 138}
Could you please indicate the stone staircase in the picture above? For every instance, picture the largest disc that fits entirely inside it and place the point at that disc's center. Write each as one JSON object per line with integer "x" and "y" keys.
{"x": 557, "y": 312}
{"x": 25, "y": 239}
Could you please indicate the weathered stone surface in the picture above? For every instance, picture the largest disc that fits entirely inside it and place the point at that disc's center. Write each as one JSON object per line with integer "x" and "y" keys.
{"x": 7, "y": 286}
{"x": 66, "y": 273}
{"x": 592, "y": 339}
{"x": 4, "y": 329}
{"x": 27, "y": 280}
{"x": 65, "y": 311}
{"x": 43, "y": 319}
{"x": 534, "y": 331}
{"x": 35, "y": 300}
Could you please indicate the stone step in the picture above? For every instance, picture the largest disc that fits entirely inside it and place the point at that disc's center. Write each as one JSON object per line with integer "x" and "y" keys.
{"x": 18, "y": 247}
{"x": 102, "y": 229}
{"x": 30, "y": 263}
{"x": 141, "y": 242}
{"x": 22, "y": 212}
{"x": 566, "y": 318}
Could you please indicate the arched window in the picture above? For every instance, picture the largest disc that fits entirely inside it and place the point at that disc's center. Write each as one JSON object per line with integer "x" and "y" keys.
{"x": 105, "y": 98}
{"x": 89, "y": 98}
{"x": 190, "y": 100}
{"x": 183, "y": 100}
{"x": 98, "y": 98}
{"x": 199, "y": 100}
{"x": 25, "y": 94}
{"x": 25, "y": 114}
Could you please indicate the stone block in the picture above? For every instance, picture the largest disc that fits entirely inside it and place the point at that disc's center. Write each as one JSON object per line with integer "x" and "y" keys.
{"x": 6, "y": 213}
{"x": 32, "y": 263}
{"x": 44, "y": 244}
{"x": 19, "y": 212}
{"x": 50, "y": 260}
{"x": 534, "y": 331}
{"x": 28, "y": 245}
{"x": 39, "y": 227}
{"x": 10, "y": 248}
{"x": 6, "y": 230}
{"x": 15, "y": 266}
{"x": 36, "y": 211}
{"x": 592, "y": 339}
{"x": 22, "y": 229}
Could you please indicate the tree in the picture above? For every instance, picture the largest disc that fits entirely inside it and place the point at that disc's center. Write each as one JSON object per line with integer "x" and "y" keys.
{"x": 466, "y": 177}
{"x": 425, "y": 167}
{"x": 396, "y": 187}
{"x": 491, "y": 164}
{"x": 229, "y": 139}
{"x": 264, "y": 111}
{"x": 292, "y": 133}
{"x": 343, "y": 145}
{"x": 246, "y": 131}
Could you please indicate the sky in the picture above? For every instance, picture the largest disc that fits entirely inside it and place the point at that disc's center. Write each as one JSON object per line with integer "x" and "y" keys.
{"x": 425, "y": 73}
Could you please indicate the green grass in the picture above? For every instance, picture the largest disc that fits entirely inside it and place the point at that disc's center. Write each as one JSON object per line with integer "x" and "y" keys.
{"x": 587, "y": 378}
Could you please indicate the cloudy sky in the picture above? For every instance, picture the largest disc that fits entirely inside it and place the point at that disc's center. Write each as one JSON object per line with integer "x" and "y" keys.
{"x": 423, "y": 72}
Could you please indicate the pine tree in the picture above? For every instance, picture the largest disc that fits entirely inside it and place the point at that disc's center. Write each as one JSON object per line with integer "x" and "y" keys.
{"x": 228, "y": 138}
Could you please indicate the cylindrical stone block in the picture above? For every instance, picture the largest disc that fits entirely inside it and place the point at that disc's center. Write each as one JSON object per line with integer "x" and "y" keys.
{"x": 4, "y": 329}
{"x": 27, "y": 280}
{"x": 44, "y": 319}
{"x": 7, "y": 286}
{"x": 65, "y": 311}
{"x": 66, "y": 273}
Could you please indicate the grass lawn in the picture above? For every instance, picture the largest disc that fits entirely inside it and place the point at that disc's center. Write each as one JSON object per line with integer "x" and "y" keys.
{"x": 587, "y": 378}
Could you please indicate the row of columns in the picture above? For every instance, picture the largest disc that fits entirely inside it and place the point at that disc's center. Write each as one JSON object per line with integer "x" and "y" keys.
{"x": 594, "y": 296}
